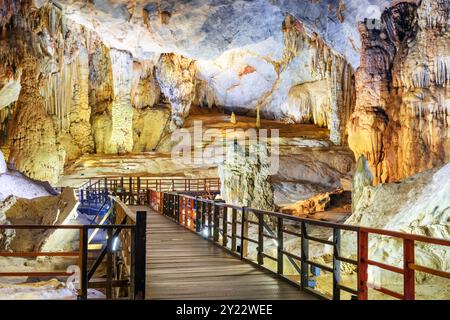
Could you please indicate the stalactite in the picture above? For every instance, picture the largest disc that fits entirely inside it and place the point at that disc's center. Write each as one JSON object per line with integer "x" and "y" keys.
{"x": 57, "y": 92}
{"x": 311, "y": 103}
{"x": 408, "y": 58}
{"x": 121, "y": 111}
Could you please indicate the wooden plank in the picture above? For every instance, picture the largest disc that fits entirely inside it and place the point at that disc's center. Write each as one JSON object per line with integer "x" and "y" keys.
{"x": 182, "y": 265}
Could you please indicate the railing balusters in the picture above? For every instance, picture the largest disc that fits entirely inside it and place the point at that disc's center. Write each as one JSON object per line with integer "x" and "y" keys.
{"x": 233, "y": 229}
{"x": 408, "y": 273}
{"x": 260, "y": 257}
{"x": 363, "y": 254}
{"x": 304, "y": 277}
{"x": 191, "y": 214}
{"x": 83, "y": 262}
{"x": 216, "y": 222}
{"x": 336, "y": 264}
{"x": 203, "y": 216}
{"x": 197, "y": 216}
{"x": 140, "y": 260}
{"x": 280, "y": 245}
{"x": 138, "y": 191}
{"x": 244, "y": 233}
{"x": 225, "y": 226}
{"x": 109, "y": 264}
{"x": 210, "y": 220}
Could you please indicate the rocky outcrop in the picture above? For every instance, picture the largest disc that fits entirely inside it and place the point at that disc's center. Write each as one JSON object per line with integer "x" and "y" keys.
{"x": 307, "y": 83}
{"x": 417, "y": 205}
{"x": 400, "y": 122}
{"x": 83, "y": 95}
{"x": 176, "y": 77}
{"x": 49, "y": 210}
{"x": 7, "y": 9}
{"x": 244, "y": 177}
{"x": 96, "y": 71}
{"x": 361, "y": 178}
{"x": 318, "y": 203}
{"x": 33, "y": 146}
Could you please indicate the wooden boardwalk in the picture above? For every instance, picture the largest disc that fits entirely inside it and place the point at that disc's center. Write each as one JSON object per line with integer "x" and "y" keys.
{"x": 181, "y": 265}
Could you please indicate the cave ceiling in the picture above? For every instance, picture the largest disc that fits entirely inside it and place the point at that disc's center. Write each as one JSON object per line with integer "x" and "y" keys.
{"x": 203, "y": 30}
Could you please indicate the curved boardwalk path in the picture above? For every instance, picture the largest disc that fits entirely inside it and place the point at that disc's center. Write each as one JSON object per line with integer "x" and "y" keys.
{"x": 181, "y": 265}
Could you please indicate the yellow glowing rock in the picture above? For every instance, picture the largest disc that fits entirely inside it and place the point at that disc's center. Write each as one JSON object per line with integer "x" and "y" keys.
{"x": 258, "y": 119}
{"x": 233, "y": 118}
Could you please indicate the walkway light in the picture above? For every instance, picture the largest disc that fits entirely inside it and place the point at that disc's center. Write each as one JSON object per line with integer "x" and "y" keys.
{"x": 115, "y": 244}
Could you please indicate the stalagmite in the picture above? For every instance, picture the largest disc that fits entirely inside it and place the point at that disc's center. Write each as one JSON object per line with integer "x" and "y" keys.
{"x": 244, "y": 177}
{"x": 233, "y": 118}
{"x": 258, "y": 119}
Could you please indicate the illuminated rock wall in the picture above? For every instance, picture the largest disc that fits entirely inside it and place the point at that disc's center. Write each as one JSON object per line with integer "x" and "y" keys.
{"x": 63, "y": 93}
{"x": 401, "y": 122}
{"x": 176, "y": 78}
{"x": 244, "y": 177}
{"x": 100, "y": 71}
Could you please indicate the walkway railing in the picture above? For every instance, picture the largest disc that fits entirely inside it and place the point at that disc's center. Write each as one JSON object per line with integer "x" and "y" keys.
{"x": 263, "y": 237}
{"x": 125, "y": 263}
{"x": 133, "y": 190}
{"x": 232, "y": 228}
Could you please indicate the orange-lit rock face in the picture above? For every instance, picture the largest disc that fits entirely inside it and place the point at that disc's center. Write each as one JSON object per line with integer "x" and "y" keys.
{"x": 401, "y": 119}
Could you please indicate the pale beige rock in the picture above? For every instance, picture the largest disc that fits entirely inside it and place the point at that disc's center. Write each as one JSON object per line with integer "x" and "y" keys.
{"x": 417, "y": 205}
{"x": 245, "y": 178}
{"x": 176, "y": 77}
{"x": 318, "y": 203}
{"x": 49, "y": 210}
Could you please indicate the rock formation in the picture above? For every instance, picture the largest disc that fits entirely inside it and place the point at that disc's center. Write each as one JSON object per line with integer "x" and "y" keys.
{"x": 361, "y": 178}
{"x": 115, "y": 77}
{"x": 401, "y": 119}
{"x": 318, "y": 203}
{"x": 244, "y": 177}
{"x": 48, "y": 210}
{"x": 419, "y": 205}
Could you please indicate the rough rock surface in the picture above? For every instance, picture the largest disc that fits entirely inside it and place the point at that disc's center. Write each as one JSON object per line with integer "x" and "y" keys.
{"x": 318, "y": 203}
{"x": 244, "y": 177}
{"x": 417, "y": 205}
{"x": 43, "y": 290}
{"x": 401, "y": 122}
{"x": 49, "y": 210}
{"x": 362, "y": 178}
{"x": 90, "y": 70}
{"x": 17, "y": 184}
{"x": 176, "y": 77}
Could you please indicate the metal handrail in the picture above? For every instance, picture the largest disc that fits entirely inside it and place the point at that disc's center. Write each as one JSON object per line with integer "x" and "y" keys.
{"x": 203, "y": 217}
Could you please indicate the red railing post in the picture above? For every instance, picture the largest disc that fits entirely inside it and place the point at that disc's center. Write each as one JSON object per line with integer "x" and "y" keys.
{"x": 408, "y": 273}
{"x": 192, "y": 218}
{"x": 186, "y": 217}
{"x": 363, "y": 256}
